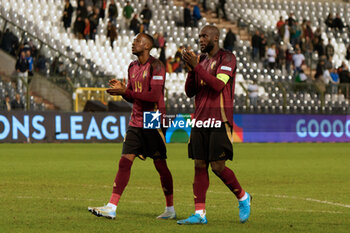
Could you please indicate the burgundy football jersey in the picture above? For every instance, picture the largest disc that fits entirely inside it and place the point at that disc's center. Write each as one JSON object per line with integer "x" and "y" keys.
{"x": 210, "y": 103}
{"x": 141, "y": 79}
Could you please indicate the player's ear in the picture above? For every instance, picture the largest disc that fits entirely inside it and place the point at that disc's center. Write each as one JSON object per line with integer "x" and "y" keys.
{"x": 216, "y": 38}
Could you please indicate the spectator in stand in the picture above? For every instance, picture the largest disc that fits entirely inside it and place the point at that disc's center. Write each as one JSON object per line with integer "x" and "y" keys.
{"x": 221, "y": 6}
{"x": 348, "y": 53}
{"x": 103, "y": 6}
{"x": 67, "y": 14}
{"x": 262, "y": 46}
{"x": 161, "y": 40}
{"x": 146, "y": 16}
{"x": 295, "y": 34}
{"x": 291, "y": 19}
{"x": 112, "y": 12}
{"x": 9, "y": 42}
{"x": 334, "y": 81}
{"x": 79, "y": 26}
{"x": 94, "y": 20}
{"x": 135, "y": 25}
{"x": 6, "y": 104}
{"x": 271, "y": 56}
{"x": 30, "y": 62}
{"x": 326, "y": 77}
{"x": 308, "y": 30}
{"x": 289, "y": 58}
{"x": 17, "y": 103}
{"x": 111, "y": 32}
{"x": 338, "y": 23}
{"x": 90, "y": 11}
{"x": 230, "y": 40}
{"x": 87, "y": 29}
{"x": 162, "y": 56}
{"x": 256, "y": 40}
{"x": 22, "y": 67}
{"x": 196, "y": 14}
{"x": 329, "y": 49}
{"x": 319, "y": 80}
{"x": 204, "y": 5}
{"x": 253, "y": 90}
{"x": 280, "y": 28}
{"x": 178, "y": 53}
{"x": 298, "y": 61}
{"x": 329, "y": 20}
{"x": 81, "y": 10}
{"x": 127, "y": 12}
{"x": 168, "y": 67}
{"x": 318, "y": 33}
{"x": 281, "y": 55}
{"x": 320, "y": 68}
{"x": 307, "y": 49}
{"x": 318, "y": 46}
{"x": 187, "y": 15}
{"x": 156, "y": 41}
{"x": 280, "y": 23}
{"x": 344, "y": 74}
{"x": 286, "y": 33}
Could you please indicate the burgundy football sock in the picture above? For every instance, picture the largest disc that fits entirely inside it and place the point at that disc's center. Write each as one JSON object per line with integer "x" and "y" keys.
{"x": 166, "y": 180}
{"x": 121, "y": 179}
{"x": 200, "y": 187}
{"x": 229, "y": 178}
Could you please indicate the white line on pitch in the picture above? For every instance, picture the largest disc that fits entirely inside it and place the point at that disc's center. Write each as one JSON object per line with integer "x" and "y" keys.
{"x": 257, "y": 194}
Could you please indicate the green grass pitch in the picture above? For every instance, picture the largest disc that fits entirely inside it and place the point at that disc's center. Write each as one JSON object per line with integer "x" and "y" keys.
{"x": 295, "y": 188}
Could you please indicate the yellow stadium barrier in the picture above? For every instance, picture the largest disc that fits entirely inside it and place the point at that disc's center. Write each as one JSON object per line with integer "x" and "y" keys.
{"x": 83, "y": 94}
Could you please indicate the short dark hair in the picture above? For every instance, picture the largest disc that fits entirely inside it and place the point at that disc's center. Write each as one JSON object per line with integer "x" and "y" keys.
{"x": 150, "y": 38}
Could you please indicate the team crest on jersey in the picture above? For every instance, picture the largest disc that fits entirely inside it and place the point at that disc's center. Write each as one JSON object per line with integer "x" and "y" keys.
{"x": 212, "y": 65}
{"x": 144, "y": 74}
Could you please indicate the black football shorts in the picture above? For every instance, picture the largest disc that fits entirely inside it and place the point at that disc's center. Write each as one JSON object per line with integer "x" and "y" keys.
{"x": 145, "y": 143}
{"x": 211, "y": 144}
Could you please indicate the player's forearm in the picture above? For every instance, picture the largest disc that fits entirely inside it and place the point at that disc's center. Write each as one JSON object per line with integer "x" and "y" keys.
{"x": 128, "y": 98}
{"x": 212, "y": 81}
{"x": 149, "y": 96}
{"x": 190, "y": 85}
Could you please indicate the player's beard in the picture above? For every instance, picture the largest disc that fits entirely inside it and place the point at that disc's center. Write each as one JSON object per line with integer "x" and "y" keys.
{"x": 208, "y": 48}
{"x": 137, "y": 53}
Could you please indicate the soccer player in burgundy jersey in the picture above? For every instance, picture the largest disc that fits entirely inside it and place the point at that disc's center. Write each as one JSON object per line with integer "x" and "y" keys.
{"x": 211, "y": 81}
{"x": 145, "y": 89}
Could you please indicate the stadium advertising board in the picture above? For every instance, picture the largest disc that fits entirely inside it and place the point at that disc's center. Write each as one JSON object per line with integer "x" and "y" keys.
{"x": 111, "y": 127}
{"x": 278, "y": 128}
{"x": 63, "y": 127}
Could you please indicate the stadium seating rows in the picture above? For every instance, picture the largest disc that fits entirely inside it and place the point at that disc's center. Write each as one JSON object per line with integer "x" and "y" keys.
{"x": 91, "y": 59}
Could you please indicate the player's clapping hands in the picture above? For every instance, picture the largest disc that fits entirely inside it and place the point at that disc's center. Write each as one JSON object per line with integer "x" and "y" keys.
{"x": 117, "y": 87}
{"x": 190, "y": 59}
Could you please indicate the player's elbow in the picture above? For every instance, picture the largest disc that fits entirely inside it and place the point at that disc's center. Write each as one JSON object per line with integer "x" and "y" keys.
{"x": 218, "y": 87}
{"x": 189, "y": 93}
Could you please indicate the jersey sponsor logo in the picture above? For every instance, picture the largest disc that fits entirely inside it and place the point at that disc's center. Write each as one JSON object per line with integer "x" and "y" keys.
{"x": 157, "y": 77}
{"x": 212, "y": 65}
{"x": 144, "y": 74}
{"x": 226, "y": 68}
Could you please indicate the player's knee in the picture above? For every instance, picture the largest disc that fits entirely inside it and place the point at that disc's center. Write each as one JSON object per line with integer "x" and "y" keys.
{"x": 217, "y": 168}
{"x": 200, "y": 164}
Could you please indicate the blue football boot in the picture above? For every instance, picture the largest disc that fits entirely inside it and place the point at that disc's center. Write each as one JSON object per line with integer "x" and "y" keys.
{"x": 244, "y": 209}
{"x": 193, "y": 219}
